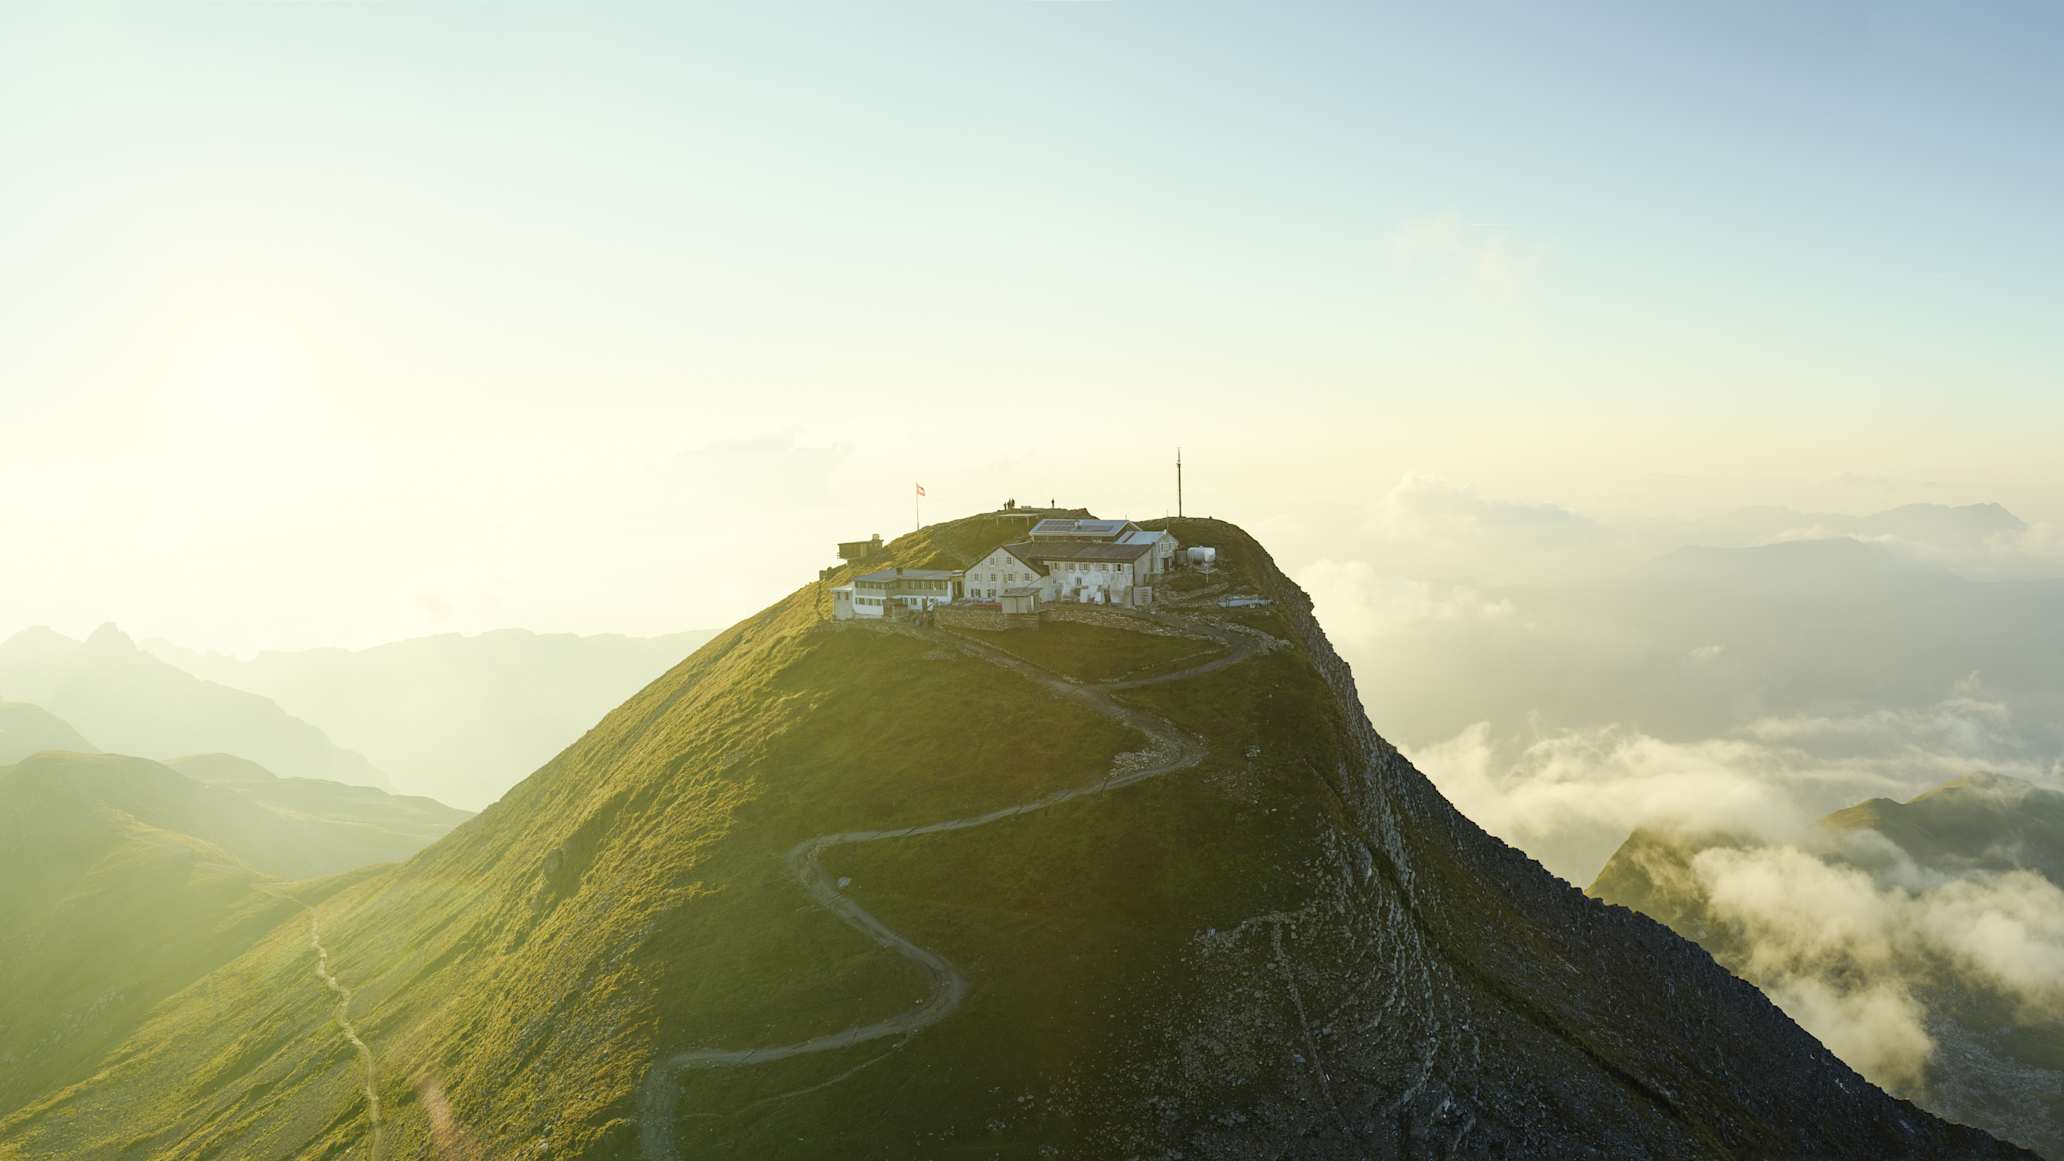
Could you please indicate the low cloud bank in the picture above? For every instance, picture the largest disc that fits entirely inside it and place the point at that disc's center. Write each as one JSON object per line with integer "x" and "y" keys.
{"x": 1570, "y": 796}
{"x": 1842, "y": 929}
{"x": 1852, "y": 957}
{"x": 1361, "y": 605}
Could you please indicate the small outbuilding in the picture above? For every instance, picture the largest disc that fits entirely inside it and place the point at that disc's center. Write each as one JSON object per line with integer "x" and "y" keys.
{"x": 1166, "y": 550}
{"x": 1024, "y": 599}
{"x": 860, "y": 551}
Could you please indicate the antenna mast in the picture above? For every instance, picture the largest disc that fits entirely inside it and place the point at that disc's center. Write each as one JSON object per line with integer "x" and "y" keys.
{"x": 1178, "y": 482}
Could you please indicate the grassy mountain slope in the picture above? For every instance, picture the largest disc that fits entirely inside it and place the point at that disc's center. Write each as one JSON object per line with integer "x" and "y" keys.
{"x": 132, "y": 703}
{"x": 26, "y": 729}
{"x": 1984, "y": 822}
{"x": 105, "y": 908}
{"x": 314, "y": 827}
{"x": 1996, "y": 1059}
{"x": 458, "y": 717}
{"x": 1292, "y": 947}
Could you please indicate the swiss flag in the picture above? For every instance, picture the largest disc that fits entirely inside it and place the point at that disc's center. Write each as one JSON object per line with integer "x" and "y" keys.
{"x": 920, "y": 489}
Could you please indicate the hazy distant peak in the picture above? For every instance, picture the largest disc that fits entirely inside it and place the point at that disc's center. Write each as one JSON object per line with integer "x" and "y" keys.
{"x": 1820, "y": 558}
{"x": 1987, "y": 513}
{"x": 1982, "y": 820}
{"x": 110, "y": 639}
{"x": 1985, "y": 536}
{"x": 2002, "y": 788}
{"x": 133, "y": 702}
{"x": 222, "y": 768}
{"x": 39, "y": 639}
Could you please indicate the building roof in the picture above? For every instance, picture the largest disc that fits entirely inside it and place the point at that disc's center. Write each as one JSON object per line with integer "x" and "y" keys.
{"x": 889, "y": 575}
{"x": 1143, "y": 536}
{"x": 1064, "y": 526}
{"x": 1024, "y": 556}
{"x": 1021, "y": 591}
{"x": 1045, "y": 551}
{"x": 858, "y": 550}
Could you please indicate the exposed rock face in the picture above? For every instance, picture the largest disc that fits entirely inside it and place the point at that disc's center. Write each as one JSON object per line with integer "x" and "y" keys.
{"x": 1441, "y": 994}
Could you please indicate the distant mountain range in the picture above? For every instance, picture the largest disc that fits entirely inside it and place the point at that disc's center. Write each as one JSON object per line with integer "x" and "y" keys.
{"x": 460, "y": 718}
{"x": 1969, "y": 531}
{"x": 1985, "y": 822}
{"x": 1997, "y": 1059}
{"x": 1702, "y": 639}
{"x": 127, "y": 701}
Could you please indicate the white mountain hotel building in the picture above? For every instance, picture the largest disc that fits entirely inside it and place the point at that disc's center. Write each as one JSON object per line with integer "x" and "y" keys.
{"x": 1099, "y": 562}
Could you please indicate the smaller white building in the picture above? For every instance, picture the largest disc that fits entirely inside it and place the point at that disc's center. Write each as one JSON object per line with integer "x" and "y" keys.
{"x": 1164, "y": 546}
{"x": 878, "y": 593}
{"x": 1020, "y": 600}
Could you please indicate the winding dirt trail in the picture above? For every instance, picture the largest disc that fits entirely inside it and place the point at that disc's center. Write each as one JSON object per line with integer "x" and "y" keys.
{"x": 342, "y": 1013}
{"x": 1169, "y": 749}
{"x": 365, "y": 1054}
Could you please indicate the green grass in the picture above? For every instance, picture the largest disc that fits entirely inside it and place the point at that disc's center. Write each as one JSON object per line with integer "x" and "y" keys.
{"x": 1064, "y": 921}
{"x": 1089, "y": 652}
{"x": 893, "y": 732}
{"x": 102, "y": 913}
{"x": 630, "y": 895}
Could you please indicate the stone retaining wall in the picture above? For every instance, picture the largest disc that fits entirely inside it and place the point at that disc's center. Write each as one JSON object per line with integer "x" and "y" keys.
{"x": 1113, "y": 618}
{"x": 984, "y": 620}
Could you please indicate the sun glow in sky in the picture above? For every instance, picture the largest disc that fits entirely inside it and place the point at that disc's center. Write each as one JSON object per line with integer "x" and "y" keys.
{"x": 338, "y": 323}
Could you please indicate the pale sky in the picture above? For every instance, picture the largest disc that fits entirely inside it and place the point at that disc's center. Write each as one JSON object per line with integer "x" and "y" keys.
{"x": 331, "y": 323}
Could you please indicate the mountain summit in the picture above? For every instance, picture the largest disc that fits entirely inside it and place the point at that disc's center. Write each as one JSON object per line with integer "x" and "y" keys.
{"x": 1125, "y": 885}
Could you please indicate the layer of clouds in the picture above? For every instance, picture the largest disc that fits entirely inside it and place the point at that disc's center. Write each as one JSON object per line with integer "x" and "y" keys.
{"x": 1426, "y": 526}
{"x": 1570, "y": 796}
{"x": 1843, "y": 930}
{"x": 1963, "y": 733}
{"x": 1424, "y": 506}
{"x": 1852, "y": 956}
{"x": 1359, "y": 605}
